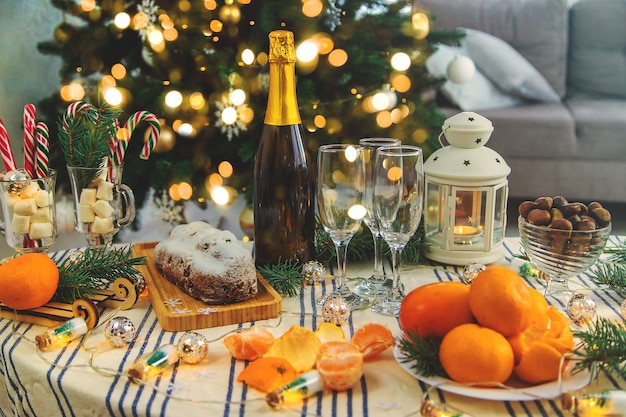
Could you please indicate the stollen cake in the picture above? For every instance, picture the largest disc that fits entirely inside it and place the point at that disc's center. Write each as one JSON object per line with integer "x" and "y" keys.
{"x": 207, "y": 263}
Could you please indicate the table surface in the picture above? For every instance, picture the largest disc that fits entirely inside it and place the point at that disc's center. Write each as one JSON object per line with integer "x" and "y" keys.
{"x": 62, "y": 382}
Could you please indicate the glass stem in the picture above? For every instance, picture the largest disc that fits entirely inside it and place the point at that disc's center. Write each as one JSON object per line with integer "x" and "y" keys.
{"x": 342, "y": 253}
{"x": 396, "y": 257}
{"x": 378, "y": 274}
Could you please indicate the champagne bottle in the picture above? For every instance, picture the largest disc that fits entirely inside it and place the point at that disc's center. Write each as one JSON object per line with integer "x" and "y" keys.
{"x": 283, "y": 186}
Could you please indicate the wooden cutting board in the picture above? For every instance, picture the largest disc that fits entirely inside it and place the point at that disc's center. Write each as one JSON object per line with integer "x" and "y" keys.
{"x": 178, "y": 311}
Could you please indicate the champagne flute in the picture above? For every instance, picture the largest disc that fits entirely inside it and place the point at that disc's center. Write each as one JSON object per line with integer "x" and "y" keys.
{"x": 340, "y": 191}
{"x": 377, "y": 283}
{"x": 398, "y": 201}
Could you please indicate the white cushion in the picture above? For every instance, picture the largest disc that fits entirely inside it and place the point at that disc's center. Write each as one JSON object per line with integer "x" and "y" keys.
{"x": 476, "y": 94}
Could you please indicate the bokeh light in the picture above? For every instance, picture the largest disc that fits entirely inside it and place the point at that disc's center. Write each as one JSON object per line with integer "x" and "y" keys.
{"x": 400, "y": 61}
{"x": 173, "y": 99}
{"x": 122, "y": 20}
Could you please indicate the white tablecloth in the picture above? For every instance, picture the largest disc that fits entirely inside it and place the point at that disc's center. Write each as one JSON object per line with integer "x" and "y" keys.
{"x": 70, "y": 387}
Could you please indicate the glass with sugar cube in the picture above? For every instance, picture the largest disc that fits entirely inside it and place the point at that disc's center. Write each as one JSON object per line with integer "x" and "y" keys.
{"x": 29, "y": 220}
{"x": 102, "y": 203}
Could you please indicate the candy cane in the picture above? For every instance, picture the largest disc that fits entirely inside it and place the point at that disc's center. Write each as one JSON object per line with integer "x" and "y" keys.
{"x": 5, "y": 149}
{"x": 42, "y": 137}
{"x": 129, "y": 126}
{"x": 73, "y": 109}
{"x": 29, "y": 139}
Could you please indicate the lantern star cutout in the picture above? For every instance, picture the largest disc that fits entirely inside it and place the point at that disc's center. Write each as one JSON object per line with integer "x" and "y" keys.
{"x": 466, "y": 162}
{"x": 229, "y": 117}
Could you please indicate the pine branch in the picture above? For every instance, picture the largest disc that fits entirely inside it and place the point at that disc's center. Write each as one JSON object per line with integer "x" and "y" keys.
{"x": 94, "y": 269}
{"x": 285, "y": 277}
{"x": 424, "y": 353}
{"x": 613, "y": 275}
{"x": 602, "y": 347}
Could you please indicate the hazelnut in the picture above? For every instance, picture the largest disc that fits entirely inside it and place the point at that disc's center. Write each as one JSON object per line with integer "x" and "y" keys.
{"x": 556, "y": 213}
{"x": 525, "y": 207}
{"x": 571, "y": 208}
{"x": 561, "y": 229}
{"x": 544, "y": 203}
{"x": 539, "y": 217}
{"x": 602, "y": 216}
{"x": 585, "y": 223}
{"x": 594, "y": 205}
{"x": 559, "y": 201}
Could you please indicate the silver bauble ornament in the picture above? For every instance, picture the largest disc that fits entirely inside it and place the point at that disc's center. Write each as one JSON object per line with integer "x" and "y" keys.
{"x": 581, "y": 307}
{"x": 313, "y": 272}
{"x": 336, "y": 310}
{"x": 120, "y": 331}
{"x": 192, "y": 347}
{"x": 471, "y": 271}
{"x": 16, "y": 181}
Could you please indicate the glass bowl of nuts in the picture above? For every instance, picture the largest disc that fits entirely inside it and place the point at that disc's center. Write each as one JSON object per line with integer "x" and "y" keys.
{"x": 562, "y": 239}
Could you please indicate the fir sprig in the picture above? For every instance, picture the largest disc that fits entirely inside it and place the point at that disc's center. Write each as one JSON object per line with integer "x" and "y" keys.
{"x": 613, "y": 275}
{"x": 285, "y": 277}
{"x": 602, "y": 348}
{"x": 95, "y": 268}
{"x": 85, "y": 137}
{"x": 423, "y": 354}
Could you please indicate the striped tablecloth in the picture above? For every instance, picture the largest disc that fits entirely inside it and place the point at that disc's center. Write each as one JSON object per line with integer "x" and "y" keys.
{"x": 63, "y": 383}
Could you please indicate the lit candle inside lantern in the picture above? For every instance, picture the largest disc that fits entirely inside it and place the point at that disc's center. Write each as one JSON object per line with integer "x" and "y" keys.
{"x": 465, "y": 234}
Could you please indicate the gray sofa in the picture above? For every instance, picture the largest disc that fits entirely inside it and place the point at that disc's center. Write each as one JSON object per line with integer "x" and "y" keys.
{"x": 566, "y": 136}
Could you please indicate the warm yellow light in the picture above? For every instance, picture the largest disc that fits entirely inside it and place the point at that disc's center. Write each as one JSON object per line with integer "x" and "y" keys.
{"x": 140, "y": 21}
{"x": 184, "y": 5}
{"x": 400, "y": 61}
{"x": 383, "y": 119}
{"x": 113, "y": 96}
{"x": 173, "y": 191}
{"x": 118, "y": 71}
{"x": 237, "y": 97}
{"x": 396, "y": 116}
{"x": 312, "y": 8}
{"x": 122, "y": 20}
{"x": 225, "y": 169}
{"x": 246, "y": 115}
{"x": 319, "y": 121}
{"x": 166, "y": 22}
{"x": 243, "y": 1}
{"x": 262, "y": 58}
{"x": 420, "y": 135}
{"x": 229, "y": 115}
{"x": 170, "y": 34}
{"x": 88, "y": 5}
{"x": 214, "y": 180}
{"x": 64, "y": 92}
{"x": 77, "y": 92}
{"x": 307, "y": 51}
{"x": 357, "y": 212}
{"x": 185, "y": 191}
{"x": 197, "y": 101}
{"x": 216, "y": 25}
{"x": 107, "y": 81}
{"x": 394, "y": 174}
{"x": 338, "y": 57}
{"x": 401, "y": 83}
{"x": 421, "y": 25}
{"x": 220, "y": 195}
{"x": 247, "y": 56}
{"x": 324, "y": 43}
{"x": 173, "y": 99}
{"x": 210, "y": 4}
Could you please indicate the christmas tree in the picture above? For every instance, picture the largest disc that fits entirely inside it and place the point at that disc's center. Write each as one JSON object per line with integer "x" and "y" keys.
{"x": 201, "y": 66}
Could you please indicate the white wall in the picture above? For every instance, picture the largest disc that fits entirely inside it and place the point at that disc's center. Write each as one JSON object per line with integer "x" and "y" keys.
{"x": 26, "y": 76}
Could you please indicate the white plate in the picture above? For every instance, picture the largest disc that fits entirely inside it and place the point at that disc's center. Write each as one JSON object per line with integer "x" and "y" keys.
{"x": 549, "y": 390}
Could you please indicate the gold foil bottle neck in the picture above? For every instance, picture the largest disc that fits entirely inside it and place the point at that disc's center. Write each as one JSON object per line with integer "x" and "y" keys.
{"x": 282, "y": 49}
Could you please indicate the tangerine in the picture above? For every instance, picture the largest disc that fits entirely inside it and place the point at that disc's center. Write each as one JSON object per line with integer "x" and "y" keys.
{"x": 372, "y": 339}
{"x": 538, "y": 353}
{"x": 501, "y": 300}
{"x": 249, "y": 344}
{"x": 328, "y": 331}
{"x": 435, "y": 309}
{"x": 28, "y": 281}
{"x": 340, "y": 364}
{"x": 470, "y": 353}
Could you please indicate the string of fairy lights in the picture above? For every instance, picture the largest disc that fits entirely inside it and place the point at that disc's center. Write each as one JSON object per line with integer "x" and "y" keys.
{"x": 230, "y": 109}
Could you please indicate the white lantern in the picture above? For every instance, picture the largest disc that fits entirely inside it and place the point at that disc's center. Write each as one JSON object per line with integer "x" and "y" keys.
{"x": 466, "y": 194}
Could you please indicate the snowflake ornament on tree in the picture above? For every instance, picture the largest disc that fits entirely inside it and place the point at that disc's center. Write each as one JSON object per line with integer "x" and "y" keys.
{"x": 229, "y": 119}
{"x": 148, "y": 11}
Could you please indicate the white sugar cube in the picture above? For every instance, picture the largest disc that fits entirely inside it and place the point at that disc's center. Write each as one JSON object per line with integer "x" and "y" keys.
{"x": 102, "y": 225}
{"x": 11, "y": 199}
{"x": 40, "y": 230}
{"x": 25, "y": 207}
{"x": 20, "y": 224}
{"x": 42, "y": 198}
{"x": 102, "y": 208}
{"x": 30, "y": 191}
{"x": 102, "y": 176}
{"x": 105, "y": 191}
{"x": 85, "y": 213}
{"x": 88, "y": 196}
{"x": 42, "y": 215}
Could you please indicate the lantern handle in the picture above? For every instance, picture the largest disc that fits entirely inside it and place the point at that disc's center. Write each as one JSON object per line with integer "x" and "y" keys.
{"x": 439, "y": 139}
